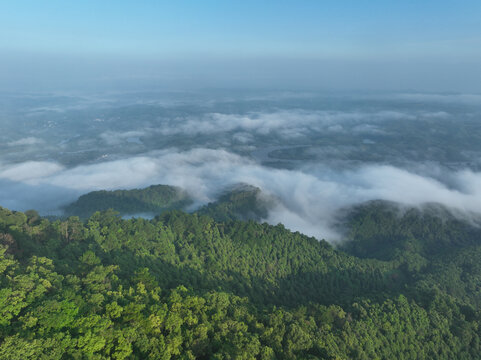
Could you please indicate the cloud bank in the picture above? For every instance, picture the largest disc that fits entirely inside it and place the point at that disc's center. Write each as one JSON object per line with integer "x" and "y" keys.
{"x": 28, "y": 141}
{"x": 308, "y": 197}
{"x": 287, "y": 123}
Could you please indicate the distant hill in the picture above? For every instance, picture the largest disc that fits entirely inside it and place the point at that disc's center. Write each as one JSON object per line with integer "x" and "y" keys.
{"x": 386, "y": 231}
{"x": 242, "y": 202}
{"x": 153, "y": 199}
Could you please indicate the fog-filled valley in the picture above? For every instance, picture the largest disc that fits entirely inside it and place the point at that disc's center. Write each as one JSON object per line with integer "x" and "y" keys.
{"x": 315, "y": 153}
{"x": 240, "y": 225}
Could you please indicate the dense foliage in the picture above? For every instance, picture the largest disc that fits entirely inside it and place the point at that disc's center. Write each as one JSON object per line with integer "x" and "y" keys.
{"x": 183, "y": 286}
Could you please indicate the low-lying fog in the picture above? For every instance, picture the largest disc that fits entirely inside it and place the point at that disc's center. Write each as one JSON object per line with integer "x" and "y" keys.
{"x": 317, "y": 153}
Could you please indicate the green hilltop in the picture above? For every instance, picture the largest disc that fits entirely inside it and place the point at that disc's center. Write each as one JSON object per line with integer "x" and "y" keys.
{"x": 153, "y": 199}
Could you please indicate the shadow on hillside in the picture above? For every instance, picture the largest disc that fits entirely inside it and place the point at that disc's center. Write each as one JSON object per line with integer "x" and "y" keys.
{"x": 341, "y": 287}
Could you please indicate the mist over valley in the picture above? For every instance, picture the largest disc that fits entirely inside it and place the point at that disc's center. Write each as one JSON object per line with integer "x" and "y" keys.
{"x": 316, "y": 153}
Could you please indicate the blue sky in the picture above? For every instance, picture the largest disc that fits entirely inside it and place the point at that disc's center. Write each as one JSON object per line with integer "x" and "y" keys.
{"x": 361, "y": 29}
{"x": 367, "y": 31}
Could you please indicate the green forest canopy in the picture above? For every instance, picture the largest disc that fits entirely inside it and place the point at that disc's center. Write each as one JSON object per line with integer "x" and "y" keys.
{"x": 185, "y": 286}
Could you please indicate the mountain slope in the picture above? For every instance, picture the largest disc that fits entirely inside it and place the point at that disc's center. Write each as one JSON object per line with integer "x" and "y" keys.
{"x": 185, "y": 286}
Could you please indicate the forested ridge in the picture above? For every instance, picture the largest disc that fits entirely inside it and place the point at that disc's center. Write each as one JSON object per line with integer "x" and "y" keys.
{"x": 239, "y": 202}
{"x": 405, "y": 285}
{"x": 153, "y": 199}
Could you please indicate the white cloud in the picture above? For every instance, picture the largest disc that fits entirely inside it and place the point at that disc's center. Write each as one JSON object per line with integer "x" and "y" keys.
{"x": 30, "y": 171}
{"x": 28, "y": 141}
{"x": 367, "y": 129}
{"x": 243, "y": 137}
{"x": 285, "y": 123}
{"x": 309, "y": 197}
{"x": 436, "y": 115}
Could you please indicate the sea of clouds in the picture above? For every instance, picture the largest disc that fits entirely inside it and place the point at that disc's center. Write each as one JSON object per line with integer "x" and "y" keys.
{"x": 309, "y": 197}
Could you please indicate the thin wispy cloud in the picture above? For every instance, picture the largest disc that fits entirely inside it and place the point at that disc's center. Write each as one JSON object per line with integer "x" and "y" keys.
{"x": 288, "y": 123}
{"x": 28, "y": 141}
